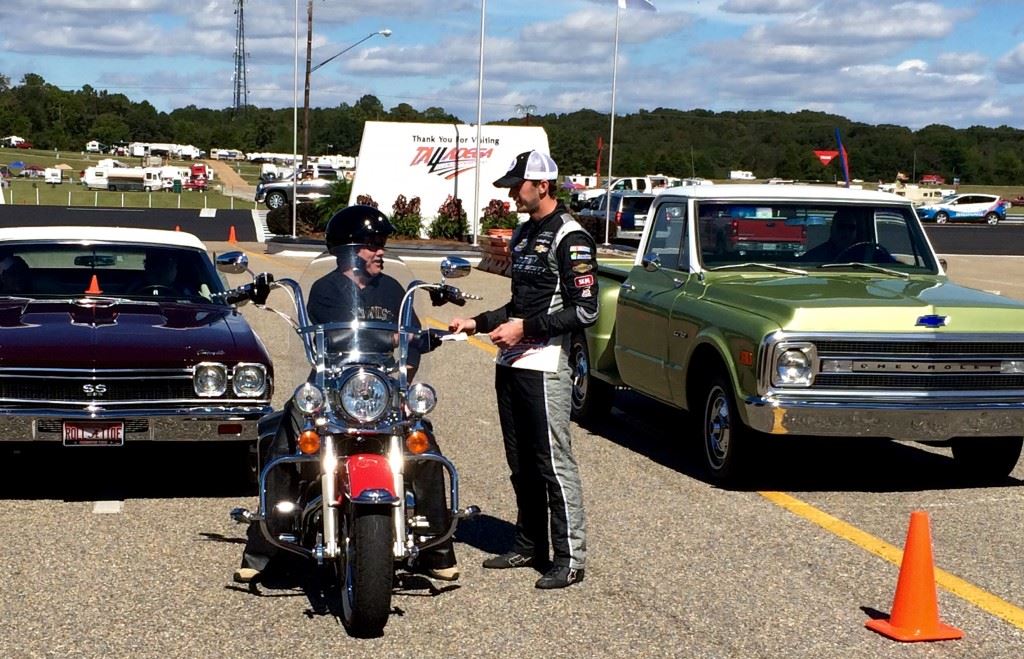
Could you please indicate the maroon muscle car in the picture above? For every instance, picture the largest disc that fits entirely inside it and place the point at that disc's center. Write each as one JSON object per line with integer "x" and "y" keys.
{"x": 113, "y": 335}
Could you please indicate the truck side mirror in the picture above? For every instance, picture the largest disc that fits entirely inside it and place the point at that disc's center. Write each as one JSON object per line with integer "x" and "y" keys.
{"x": 651, "y": 262}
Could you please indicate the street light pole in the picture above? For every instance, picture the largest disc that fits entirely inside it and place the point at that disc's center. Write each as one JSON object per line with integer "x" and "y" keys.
{"x": 310, "y": 69}
{"x": 305, "y": 104}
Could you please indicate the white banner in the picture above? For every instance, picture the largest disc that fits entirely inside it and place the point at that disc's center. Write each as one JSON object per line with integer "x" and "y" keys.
{"x": 433, "y": 161}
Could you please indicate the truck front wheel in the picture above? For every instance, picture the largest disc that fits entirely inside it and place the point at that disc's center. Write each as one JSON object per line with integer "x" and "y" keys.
{"x": 986, "y": 459}
{"x": 276, "y": 199}
{"x": 725, "y": 438}
{"x": 591, "y": 398}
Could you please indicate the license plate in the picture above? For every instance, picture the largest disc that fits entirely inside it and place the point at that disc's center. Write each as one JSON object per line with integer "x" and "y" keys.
{"x": 93, "y": 433}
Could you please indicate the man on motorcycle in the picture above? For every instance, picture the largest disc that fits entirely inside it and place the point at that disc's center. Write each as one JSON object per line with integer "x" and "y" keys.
{"x": 356, "y": 237}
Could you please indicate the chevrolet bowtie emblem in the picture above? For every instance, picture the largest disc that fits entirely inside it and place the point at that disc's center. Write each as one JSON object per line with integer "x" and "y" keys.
{"x": 932, "y": 321}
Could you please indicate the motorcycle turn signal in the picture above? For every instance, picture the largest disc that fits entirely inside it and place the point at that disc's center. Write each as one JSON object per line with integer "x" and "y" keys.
{"x": 309, "y": 441}
{"x": 417, "y": 442}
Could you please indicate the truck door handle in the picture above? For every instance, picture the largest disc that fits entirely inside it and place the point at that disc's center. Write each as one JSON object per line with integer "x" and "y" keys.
{"x": 627, "y": 287}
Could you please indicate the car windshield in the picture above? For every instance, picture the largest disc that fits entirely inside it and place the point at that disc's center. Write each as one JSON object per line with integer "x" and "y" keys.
{"x": 812, "y": 235}
{"x": 132, "y": 271}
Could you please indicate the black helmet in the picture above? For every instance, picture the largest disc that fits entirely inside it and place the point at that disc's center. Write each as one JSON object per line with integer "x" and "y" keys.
{"x": 356, "y": 225}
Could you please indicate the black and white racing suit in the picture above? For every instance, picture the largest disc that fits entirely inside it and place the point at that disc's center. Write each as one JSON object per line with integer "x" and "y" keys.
{"x": 554, "y": 291}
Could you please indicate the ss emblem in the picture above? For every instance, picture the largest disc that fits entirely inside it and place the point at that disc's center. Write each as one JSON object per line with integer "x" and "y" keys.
{"x": 94, "y": 389}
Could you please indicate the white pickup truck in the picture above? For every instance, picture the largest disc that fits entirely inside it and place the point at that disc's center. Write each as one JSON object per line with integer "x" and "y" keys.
{"x": 652, "y": 183}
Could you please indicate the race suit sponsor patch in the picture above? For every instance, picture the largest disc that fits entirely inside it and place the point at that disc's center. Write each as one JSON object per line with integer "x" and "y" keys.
{"x": 584, "y": 281}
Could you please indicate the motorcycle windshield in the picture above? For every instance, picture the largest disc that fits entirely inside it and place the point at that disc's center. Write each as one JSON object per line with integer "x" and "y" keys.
{"x": 356, "y": 317}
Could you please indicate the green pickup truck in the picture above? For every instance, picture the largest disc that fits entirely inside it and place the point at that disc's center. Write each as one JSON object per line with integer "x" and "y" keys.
{"x": 839, "y": 320}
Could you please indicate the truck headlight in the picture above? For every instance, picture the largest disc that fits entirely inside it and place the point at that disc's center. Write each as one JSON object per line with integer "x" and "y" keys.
{"x": 308, "y": 398}
{"x": 210, "y": 379}
{"x": 249, "y": 380}
{"x": 421, "y": 398}
{"x": 365, "y": 396}
{"x": 794, "y": 365}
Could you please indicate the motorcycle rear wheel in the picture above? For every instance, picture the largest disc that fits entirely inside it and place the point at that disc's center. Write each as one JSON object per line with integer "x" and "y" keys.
{"x": 367, "y": 570}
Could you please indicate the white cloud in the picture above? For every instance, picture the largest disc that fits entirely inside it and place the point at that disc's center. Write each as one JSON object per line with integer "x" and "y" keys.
{"x": 766, "y": 6}
{"x": 1010, "y": 67}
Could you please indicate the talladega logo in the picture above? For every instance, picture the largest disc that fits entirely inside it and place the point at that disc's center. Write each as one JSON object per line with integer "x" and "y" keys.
{"x": 446, "y": 161}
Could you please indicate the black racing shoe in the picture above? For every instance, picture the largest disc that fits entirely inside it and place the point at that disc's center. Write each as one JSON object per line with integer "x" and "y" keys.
{"x": 510, "y": 560}
{"x": 560, "y": 576}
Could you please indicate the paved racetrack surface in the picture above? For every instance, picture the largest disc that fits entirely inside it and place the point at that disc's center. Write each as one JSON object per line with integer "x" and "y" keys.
{"x": 677, "y": 567}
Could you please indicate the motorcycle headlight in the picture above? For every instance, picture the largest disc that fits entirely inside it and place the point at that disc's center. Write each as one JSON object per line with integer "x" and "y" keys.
{"x": 308, "y": 398}
{"x": 794, "y": 366}
{"x": 249, "y": 380}
{"x": 421, "y": 398}
{"x": 365, "y": 396}
{"x": 210, "y": 379}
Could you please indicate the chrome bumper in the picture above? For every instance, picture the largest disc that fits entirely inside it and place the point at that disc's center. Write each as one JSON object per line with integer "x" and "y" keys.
{"x": 932, "y": 420}
{"x": 176, "y": 425}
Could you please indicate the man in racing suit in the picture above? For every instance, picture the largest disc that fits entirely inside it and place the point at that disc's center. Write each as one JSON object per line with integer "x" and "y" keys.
{"x": 356, "y": 236}
{"x": 554, "y": 294}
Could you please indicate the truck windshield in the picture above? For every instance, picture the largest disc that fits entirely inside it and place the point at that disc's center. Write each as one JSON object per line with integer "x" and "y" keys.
{"x": 808, "y": 236}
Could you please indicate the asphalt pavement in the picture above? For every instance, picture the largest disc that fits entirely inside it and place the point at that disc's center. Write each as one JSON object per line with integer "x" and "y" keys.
{"x": 677, "y": 567}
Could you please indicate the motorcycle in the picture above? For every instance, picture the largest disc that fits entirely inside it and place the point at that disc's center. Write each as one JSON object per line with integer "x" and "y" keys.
{"x": 363, "y": 431}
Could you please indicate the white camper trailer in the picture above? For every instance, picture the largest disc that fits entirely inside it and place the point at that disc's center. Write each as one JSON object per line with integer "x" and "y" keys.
{"x": 122, "y": 178}
{"x": 53, "y": 175}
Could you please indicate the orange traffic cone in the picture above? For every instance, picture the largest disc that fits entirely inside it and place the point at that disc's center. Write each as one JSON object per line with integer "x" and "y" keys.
{"x": 915, "y": 609}
{"x": 94, "y": 287}
{"x": 231, "y": 235}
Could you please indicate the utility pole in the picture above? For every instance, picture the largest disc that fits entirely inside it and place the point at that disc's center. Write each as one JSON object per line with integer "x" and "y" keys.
{"x": 305, "y": 105}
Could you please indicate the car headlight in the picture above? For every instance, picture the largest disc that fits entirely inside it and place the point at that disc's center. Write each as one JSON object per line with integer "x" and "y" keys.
{"x": 249, "y": 380}
{"x": 308, "y": 398}
{"x": 210, "y": 379}
{"x": 421, "y": 398}
{"x": 794, "y": 365}
{"x": 365, "y": 396}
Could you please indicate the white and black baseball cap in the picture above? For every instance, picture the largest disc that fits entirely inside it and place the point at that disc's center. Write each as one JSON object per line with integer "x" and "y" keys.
{"x": 529, "y": 166}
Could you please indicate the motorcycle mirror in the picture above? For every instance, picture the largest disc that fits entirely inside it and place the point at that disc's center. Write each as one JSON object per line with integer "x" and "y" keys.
{"x": 233, "y": 263}
{"x": 454, "y": 267}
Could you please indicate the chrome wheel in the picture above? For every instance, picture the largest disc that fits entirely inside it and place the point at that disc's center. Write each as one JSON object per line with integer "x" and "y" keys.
{"x": 992, "y": 218}
{"x": 941, "y": 217}
{"x": 717, "y": 429}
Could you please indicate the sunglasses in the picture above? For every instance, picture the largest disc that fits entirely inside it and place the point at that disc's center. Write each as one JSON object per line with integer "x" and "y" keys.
{"x": 375, "y": 243}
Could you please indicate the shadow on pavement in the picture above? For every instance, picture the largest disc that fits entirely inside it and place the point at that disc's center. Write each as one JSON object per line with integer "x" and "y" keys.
{"x": 134, "y": 471}
{"x": 794, "y": 464}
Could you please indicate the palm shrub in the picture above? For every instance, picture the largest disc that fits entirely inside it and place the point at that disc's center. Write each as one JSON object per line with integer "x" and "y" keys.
{"x": 406, "y": 217}
{"x": 308, "y": 221}
{"x": 499, "y": 215}
{"x": 450, "y": 221}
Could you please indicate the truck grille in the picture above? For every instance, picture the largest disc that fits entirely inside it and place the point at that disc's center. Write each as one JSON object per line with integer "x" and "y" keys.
{"x": 84, "y": 386}
{"x": 919, "y": 365}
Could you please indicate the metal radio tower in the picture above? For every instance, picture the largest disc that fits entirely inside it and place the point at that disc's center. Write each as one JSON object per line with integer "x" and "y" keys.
{"x": 241, "y": 90}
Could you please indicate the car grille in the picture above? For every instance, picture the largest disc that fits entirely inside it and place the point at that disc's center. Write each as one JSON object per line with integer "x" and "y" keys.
{"x": 84, "y": 386}
{"x": 964, "y": 366}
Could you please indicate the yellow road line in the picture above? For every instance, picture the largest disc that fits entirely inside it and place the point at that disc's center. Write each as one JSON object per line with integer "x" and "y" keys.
{"x": 982, "y": 599}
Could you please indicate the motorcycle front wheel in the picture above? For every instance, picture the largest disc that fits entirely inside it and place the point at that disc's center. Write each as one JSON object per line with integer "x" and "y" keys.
{"x": 367, "y": 570}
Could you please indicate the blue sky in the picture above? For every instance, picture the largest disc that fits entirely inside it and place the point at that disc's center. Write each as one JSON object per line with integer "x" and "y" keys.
{"x": 912, "y": 63}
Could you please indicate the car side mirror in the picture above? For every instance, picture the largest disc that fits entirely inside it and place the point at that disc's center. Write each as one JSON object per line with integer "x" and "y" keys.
{"x": 945, "y": 265}
{"x": 651, "y": 262}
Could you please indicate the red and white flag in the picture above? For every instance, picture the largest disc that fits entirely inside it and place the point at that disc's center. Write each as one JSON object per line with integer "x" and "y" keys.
{"x": 637, "y": 4}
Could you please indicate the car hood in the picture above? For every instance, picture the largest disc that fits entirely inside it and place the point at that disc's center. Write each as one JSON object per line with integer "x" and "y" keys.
{"x": 107, "y": 334}
{"x": 868, "y": 303}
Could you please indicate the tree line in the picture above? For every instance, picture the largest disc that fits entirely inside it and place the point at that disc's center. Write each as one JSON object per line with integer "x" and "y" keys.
{"x": 674, "y": 142}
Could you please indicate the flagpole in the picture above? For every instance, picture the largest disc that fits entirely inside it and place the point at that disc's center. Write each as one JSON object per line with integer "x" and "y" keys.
{"x": 475, "y": 217}
{"x": 611, "y": 134}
